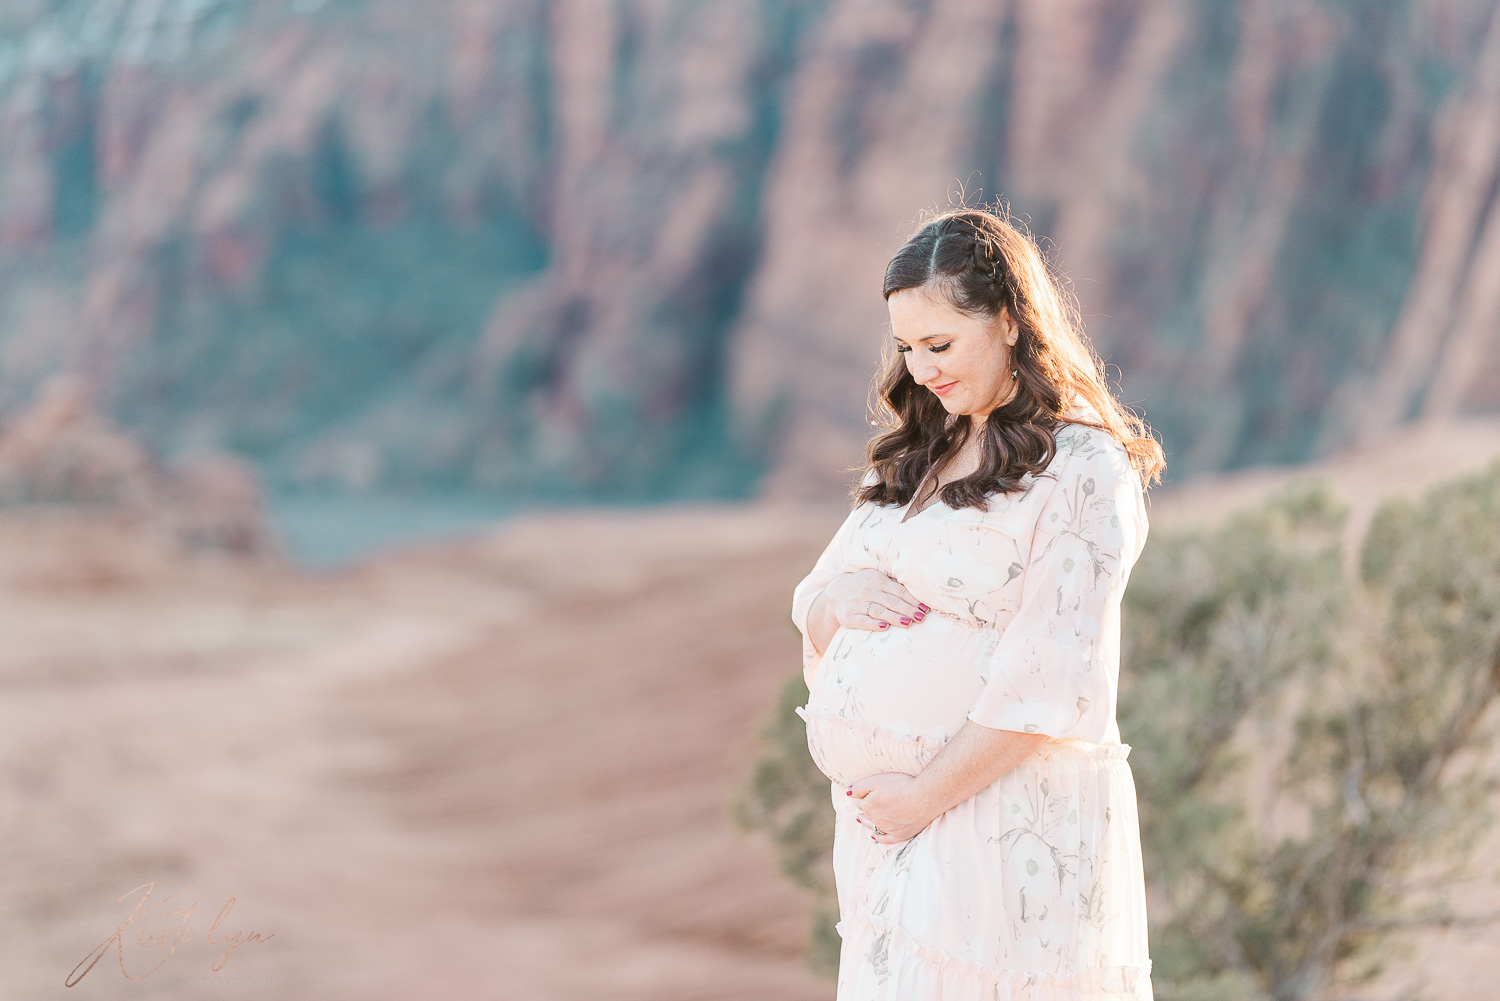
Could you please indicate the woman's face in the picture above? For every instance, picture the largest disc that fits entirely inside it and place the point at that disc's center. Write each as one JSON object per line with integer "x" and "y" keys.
{"x": 964, "y": 360}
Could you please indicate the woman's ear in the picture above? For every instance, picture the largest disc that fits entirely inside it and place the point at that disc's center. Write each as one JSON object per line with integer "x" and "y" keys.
{"x": 1009, "y": 327}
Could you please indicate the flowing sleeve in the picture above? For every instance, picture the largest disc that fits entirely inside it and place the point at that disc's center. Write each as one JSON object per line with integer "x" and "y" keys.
{"x": 1055, "y": 669}
{"x": 828, "y": 566}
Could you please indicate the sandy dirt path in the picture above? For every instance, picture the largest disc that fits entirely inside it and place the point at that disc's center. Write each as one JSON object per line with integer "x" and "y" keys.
{"x": 496, "y": 769}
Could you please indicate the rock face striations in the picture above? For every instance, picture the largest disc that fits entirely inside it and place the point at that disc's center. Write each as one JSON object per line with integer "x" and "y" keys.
{"x": 634, "y": 249}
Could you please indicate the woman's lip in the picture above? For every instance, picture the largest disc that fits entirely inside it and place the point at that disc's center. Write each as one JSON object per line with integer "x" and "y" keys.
{"x": 940, "y": 390}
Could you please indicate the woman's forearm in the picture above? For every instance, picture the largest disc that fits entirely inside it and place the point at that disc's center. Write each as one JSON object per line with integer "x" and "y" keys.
{"x": 975, "y": 757}
{"x": 821, "y": 625}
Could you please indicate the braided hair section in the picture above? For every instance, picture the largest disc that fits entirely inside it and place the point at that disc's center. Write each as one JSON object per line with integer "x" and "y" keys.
{"x": 958, "y": 253}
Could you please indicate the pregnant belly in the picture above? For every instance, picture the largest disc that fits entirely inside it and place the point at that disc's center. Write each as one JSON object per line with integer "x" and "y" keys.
{"x": 888, "y": 701}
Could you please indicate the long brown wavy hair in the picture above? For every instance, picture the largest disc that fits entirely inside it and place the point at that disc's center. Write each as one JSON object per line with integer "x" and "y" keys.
{"x": 979, "y": 262}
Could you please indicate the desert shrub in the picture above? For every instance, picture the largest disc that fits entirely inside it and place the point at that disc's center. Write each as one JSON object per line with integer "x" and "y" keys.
{"x": 1326, "y": 734}
{"x": 788, "y": 798}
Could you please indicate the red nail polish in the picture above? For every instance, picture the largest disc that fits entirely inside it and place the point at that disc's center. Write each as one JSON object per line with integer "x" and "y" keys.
{"x": 920, "y": 616}
{"x": 884, "y": 624}
{"x": 872, "y": 837}
{"x": 923, "y": 607}
{"x": 906, "y": 621}
{"x": 848, "y": 792}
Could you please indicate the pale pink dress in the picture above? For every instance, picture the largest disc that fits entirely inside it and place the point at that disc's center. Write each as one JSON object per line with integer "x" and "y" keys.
{"x": 1032, "y": 888}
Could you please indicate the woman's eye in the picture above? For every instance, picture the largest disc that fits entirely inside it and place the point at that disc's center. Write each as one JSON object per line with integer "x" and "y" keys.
{"x": 937, "y": 348}
{"x": 902, "y": 348}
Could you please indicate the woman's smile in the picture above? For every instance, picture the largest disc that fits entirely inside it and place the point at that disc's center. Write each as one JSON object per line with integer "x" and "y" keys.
{"x": 943, "y": 388}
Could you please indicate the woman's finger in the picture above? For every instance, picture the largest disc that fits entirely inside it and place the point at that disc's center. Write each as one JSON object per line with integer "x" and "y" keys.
{"x": 869, "y": 607}
{"x": 901, "y": 601}
{"x": 887, "y": 609}
{"x": 860, "y": 620}
{"x": 890, "y": 587}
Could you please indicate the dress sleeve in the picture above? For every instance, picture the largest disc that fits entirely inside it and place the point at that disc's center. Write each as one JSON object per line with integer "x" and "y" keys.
{"x": 1055, "y": 669}
{"x": 828, "y": 566}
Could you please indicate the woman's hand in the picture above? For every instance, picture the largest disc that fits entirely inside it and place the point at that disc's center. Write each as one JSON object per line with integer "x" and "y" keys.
{"x": 864, "y": 599}
{"x": 893, "y": 804}
{"x": 868, "y": 599}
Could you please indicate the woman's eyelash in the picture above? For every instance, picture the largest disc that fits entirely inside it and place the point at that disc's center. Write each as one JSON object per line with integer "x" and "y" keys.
{"x": 903, "y": 348}
{"x": 938, "y": 347}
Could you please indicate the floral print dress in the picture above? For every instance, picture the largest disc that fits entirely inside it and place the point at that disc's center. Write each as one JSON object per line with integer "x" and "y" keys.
{"x": 1033, "y": 887}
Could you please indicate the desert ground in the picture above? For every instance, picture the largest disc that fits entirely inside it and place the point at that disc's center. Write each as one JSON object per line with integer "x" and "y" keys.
{"x": 493, "y": 767}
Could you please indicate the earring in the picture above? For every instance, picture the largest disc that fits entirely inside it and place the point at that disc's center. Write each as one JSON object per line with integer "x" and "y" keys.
{"x": 1014, "y": 374}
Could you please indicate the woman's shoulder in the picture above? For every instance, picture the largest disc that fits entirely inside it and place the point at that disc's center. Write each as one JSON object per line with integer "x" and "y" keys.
{"x": 1077, "y": 440}
{"x": 1081, "y": 443}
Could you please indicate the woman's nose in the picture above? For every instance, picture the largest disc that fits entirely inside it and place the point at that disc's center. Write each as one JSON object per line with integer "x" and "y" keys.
{"x": 924, "y": 373}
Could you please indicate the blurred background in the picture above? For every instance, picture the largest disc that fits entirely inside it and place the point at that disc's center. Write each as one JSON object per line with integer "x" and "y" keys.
{"x": 414, "y": 418}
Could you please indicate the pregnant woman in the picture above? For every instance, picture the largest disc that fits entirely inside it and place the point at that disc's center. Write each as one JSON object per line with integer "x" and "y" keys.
{"x": 961, "y": 638}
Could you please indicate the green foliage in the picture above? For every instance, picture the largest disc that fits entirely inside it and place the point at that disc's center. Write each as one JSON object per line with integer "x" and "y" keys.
{"x": 788, "y": 798}
{"x": 1218, "y": 624}
{"x": 1303, "y": 738}
{"x": 1320, "y": 731}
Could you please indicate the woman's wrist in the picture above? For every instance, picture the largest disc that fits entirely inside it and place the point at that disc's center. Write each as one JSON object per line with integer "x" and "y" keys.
{"x": 932, "y": 793}
{"x": 927, "y": 798}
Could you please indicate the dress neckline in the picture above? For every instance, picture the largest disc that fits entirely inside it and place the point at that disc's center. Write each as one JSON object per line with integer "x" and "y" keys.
{"x": 937, "y": 498}
{"x": 911, "y": 515}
